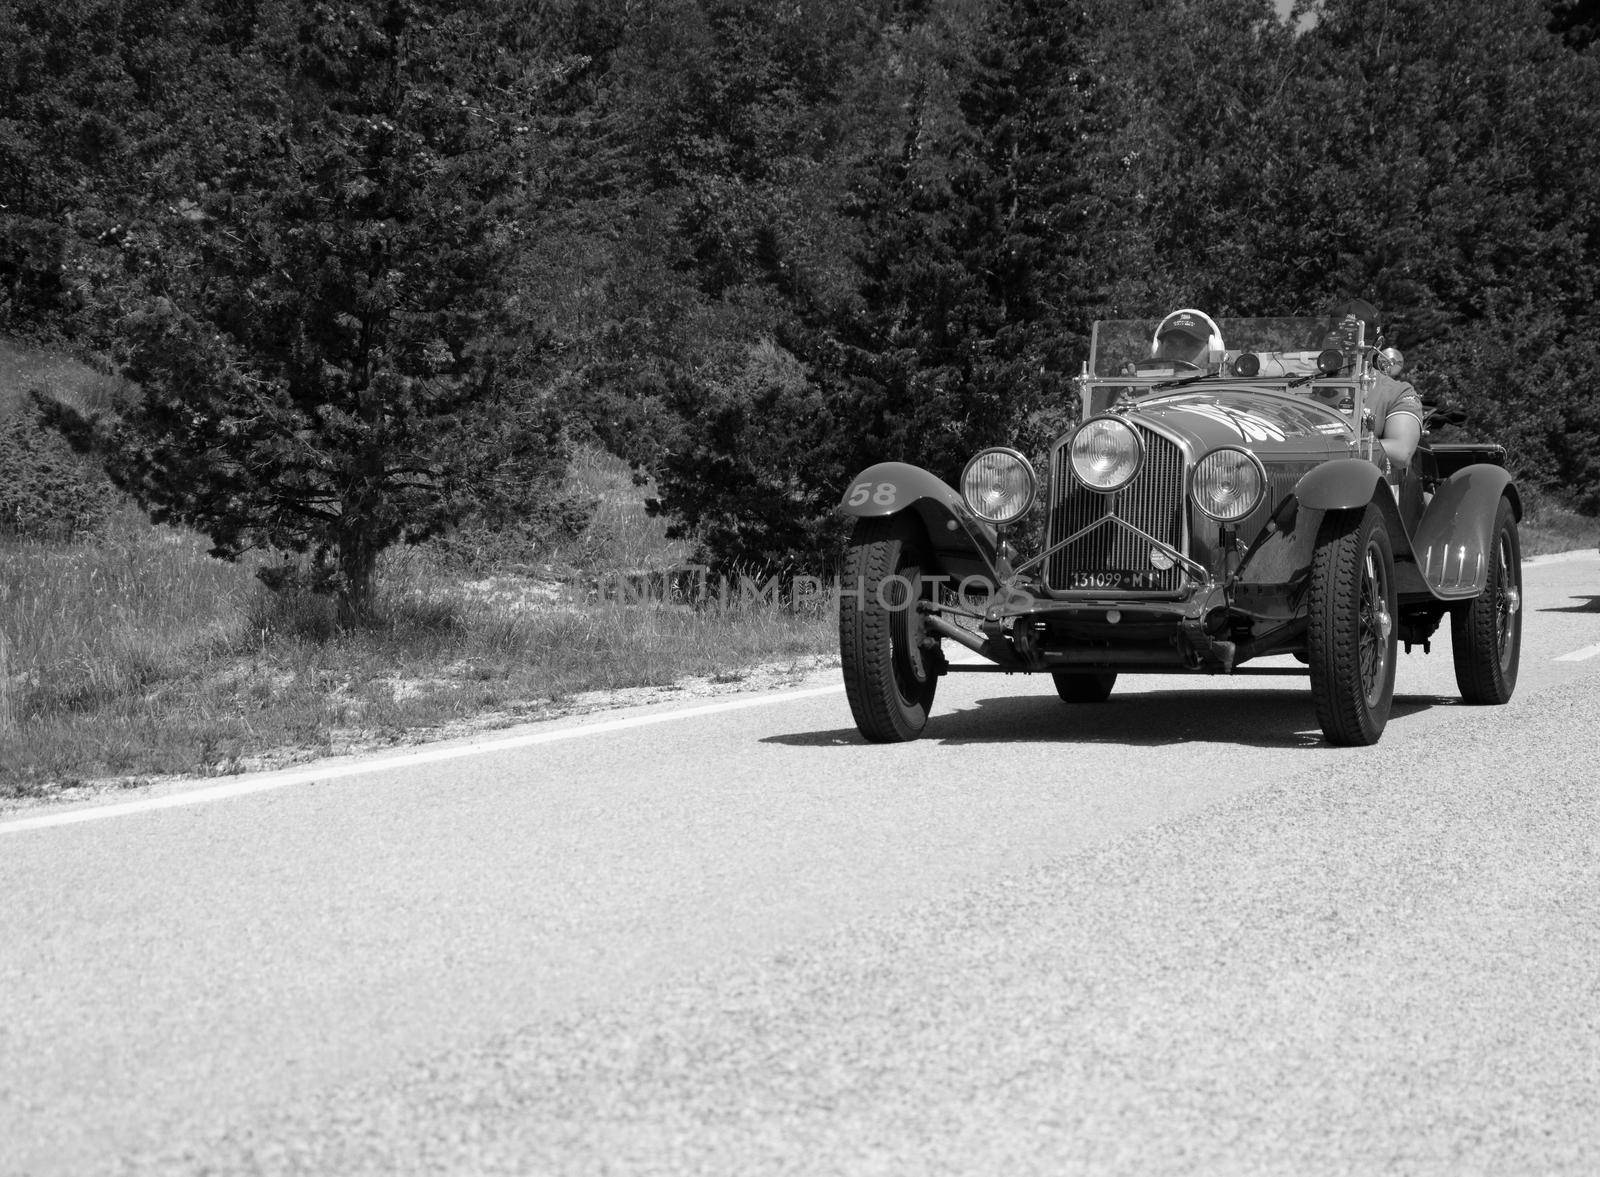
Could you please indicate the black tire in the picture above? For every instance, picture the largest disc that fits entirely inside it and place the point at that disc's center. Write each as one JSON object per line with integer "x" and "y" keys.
{"x": 1078, "y": 687}
{"x": 1486, "y": 633}
{"x": 888, "y": 677}
{"x": 1350, "y": 636}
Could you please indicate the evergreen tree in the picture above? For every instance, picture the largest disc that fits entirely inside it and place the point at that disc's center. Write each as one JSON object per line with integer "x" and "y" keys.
{"x": 726, "y": 138}
{"x": 971, "y": 234}
{"x": 1201, "y": 182}
{"x": 86, "y": 125}
{"x": 1578, "y": 21}
{"x": 1456, "y": 194}
{"x": 320, "y": 347}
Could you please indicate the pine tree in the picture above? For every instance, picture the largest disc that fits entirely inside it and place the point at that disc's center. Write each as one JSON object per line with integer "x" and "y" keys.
{"x": 84, "y": 125}
{"x": 320, "y": 348}
{"x": 967, "y": 222}
{"x": 1456, "y": 193}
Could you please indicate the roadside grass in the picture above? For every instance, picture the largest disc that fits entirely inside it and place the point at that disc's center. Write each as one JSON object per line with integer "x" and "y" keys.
{"x": 143, "y": 657}
{"x": 24, "y": 367}
{"x": 1550, "y": 527}
{"x": 138, "y": 655}
{"x": 133, "y": 654}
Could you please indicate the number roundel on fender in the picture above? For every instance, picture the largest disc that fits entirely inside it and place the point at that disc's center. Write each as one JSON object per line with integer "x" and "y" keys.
{"x": 879, "y": 494}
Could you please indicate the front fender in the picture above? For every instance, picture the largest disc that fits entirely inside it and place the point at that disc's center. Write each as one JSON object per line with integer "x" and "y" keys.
{"x": 1339, "y": 485}
{"x": 890, "y": 487}
{"x": 1283, "y": 553}
{"x": 1456, "y": 533}
{"x": 963, "y": 544}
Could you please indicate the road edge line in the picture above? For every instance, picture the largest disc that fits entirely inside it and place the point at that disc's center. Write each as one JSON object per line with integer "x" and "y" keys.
{"x": 286, "y": 778}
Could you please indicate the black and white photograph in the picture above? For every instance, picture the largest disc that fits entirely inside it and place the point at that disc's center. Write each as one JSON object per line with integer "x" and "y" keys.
{"x": 825, "y": 588}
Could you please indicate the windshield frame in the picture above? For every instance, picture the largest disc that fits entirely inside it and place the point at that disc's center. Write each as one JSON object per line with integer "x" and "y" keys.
{"x": 1120, "y": 372}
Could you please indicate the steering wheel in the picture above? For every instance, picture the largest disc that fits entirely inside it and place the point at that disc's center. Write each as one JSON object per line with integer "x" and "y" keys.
{"x": 1155, "y": 365}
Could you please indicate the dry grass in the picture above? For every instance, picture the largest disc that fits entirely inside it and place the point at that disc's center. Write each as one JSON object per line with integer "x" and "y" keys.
{"x": 24, "y": 368}
{"x": 146, "y": 657}
{"x": 1552, "y": 527}
{"x": 139, "y": 655}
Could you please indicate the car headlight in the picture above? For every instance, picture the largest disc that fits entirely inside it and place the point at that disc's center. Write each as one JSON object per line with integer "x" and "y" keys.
{"x": 998, "y": 485}
{"x": 1106, "y": 453}
{"x": 1228, "y": 484}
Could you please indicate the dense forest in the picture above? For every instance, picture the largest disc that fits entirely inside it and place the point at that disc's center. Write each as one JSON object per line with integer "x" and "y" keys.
{"x": 369, "y": 268}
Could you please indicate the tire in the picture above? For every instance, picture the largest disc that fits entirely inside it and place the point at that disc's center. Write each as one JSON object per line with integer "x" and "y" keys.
{"x": 1350, "y": 636}
{"x": 1076, "y": 687}
{"x": 1486, "y": 633}
{"x": 888, "y": 677}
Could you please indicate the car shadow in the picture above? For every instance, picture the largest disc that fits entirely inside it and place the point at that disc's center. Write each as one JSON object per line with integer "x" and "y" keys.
{"x": 1589, "y": 605}
{"x": 1264, "y": 718}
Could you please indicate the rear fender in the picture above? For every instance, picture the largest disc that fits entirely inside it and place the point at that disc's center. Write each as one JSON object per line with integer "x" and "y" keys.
{"x": 1456, "y": 532}
{"x": 962, "y": 544}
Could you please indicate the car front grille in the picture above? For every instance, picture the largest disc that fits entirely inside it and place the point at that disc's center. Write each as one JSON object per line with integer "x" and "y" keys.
{"x": 1153, "y": 502}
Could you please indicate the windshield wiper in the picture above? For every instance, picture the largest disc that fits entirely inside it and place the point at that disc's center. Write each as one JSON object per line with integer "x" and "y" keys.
{"x": 1185, "y": 381}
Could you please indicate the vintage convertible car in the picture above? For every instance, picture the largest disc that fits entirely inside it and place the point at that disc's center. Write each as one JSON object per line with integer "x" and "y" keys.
{"x": 1200, "y": 516}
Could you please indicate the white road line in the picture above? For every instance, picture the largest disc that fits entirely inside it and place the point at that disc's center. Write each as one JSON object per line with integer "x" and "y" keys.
{"x": 266, "y": 782}
{"x": 1578, "y": 655}
{"x": 1560, "y": 557}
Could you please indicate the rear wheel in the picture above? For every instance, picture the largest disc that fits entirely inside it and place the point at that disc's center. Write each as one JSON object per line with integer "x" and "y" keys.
{"x": 1486, "y": 633}
{"x": 1350, "y": 636}
{"x": 1074, "y": 687}
{"x": 889, "y": 677}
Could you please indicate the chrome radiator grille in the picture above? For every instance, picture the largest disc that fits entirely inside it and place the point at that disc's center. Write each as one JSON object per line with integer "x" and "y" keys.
{"x": 1111, "y": 556}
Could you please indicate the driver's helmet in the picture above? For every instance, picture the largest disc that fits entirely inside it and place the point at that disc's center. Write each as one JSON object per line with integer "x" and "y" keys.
{"x": 1188, "y": 335}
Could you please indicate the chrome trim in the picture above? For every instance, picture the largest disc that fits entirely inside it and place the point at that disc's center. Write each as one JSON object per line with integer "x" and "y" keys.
{"x": 1033, "y": 484}
{"x": 1138, "y": 467}
{"x": 1159, "y": 491}
{"x": 1261, "y": 469}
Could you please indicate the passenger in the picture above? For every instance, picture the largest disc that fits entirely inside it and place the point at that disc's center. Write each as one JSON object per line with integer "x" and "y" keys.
{"x": 1394, "y": 404}
{"x": 1189, "y": 337}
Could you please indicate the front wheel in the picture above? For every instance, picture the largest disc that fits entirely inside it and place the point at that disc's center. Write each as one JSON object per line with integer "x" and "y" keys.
{"x": 1350, "y": 636}
{"x": 889, "y": 676}
{"x": 1486, "y": 633}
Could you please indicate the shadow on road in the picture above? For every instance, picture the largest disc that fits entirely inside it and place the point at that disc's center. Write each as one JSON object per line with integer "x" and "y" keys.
{"x": 1588, "y": 605}
{"x": 1253, "y": 718}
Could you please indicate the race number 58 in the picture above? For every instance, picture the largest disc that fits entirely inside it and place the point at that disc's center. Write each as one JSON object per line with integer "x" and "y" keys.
{"x": 879, "y": 494}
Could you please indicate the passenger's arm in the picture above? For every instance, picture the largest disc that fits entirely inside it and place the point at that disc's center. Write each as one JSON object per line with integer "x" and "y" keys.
{"x": 1401, "y": 433}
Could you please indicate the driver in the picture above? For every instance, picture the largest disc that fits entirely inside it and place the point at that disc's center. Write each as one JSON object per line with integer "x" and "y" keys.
{"x": 1187, "y": 336}
{"x": 1394, "y": 404}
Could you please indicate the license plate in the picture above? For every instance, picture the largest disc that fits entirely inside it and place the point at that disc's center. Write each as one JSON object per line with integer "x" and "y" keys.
{"x": 1118, "y": 579}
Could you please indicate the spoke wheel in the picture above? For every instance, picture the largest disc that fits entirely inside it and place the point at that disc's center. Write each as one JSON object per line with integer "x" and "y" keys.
{"x": 1075, "y": 687}
{"x": 889, "y": 675}
{"x": 1486, "y": 633}
{"x": 1350, "y": 634}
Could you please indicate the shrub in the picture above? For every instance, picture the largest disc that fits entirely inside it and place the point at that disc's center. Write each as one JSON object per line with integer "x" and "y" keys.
{"x": 491, "y": 541}
{"x": 46, "y": 490}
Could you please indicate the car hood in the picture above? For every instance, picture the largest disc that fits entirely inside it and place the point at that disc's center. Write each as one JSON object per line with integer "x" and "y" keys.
{"x": 1254, "y": 419}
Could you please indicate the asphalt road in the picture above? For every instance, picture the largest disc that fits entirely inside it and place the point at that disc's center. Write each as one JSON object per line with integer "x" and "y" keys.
{"x": 1171, "y": 934}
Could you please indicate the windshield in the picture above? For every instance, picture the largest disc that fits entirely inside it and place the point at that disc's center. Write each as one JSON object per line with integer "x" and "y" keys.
{"x": 1287, "y": 346}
